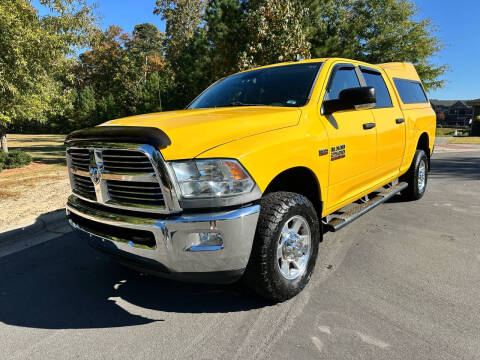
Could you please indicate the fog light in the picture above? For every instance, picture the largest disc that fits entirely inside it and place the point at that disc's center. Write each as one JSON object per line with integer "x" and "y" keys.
{"x": 205, "y": 241}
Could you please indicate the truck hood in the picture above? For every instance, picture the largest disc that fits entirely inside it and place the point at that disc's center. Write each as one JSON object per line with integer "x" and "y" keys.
{"x": 195, "y": 131}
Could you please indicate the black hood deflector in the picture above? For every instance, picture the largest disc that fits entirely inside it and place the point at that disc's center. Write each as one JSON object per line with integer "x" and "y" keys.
{"x": 121, "y": 134}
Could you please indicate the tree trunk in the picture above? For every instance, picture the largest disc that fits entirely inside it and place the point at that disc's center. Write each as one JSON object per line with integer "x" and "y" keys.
{"x": 3, "y": 141}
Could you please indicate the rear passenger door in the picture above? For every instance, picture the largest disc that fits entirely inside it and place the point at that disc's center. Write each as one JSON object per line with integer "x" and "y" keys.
{"x": 390, "y": 125}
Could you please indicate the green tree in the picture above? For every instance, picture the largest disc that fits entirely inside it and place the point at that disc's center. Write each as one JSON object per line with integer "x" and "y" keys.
{"x": 183, "y": 18}
{"x": 375, "y": 31}
{"x": 147, "y": 39}
{"x": 110, "y": 70}
{"x": 118, "y": 70}
{"x": 146, "y": 45}
{"x": 239, "y": 34}
{"x": 227, "y": 33}
{"x": 34, "y": 58}
{"x": 187, "y": 49}
{"x": 277, "y": 32}
{"x": 207, "y": 40}
{"x": 85, "y": 106}
{"x": 151, "y": 96}
{"x": 193, "y": 71}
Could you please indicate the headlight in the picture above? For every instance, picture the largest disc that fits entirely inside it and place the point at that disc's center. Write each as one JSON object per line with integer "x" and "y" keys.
{"x": 211, "y": 178}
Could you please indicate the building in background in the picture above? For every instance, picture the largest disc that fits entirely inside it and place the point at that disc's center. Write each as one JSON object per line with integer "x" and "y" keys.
{"x": 475, "y": 104}
{"x": 454, "y": 112}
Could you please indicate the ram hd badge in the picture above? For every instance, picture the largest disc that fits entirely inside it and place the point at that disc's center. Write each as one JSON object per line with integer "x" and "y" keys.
{"x": 338, "y": 152}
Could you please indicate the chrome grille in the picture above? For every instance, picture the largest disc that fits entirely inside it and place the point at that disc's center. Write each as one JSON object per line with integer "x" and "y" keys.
{"x": 125, "y": 176}
{"x": 83, "y": 186}
{"x": 140, "y": 193}
{"x": 126, "y": 161}
{"x": 80, "y": 158}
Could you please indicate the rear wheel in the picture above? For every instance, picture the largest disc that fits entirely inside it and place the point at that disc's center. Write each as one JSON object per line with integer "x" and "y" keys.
{"x": 416, "y": 177}
{"x": 285, "y": 247}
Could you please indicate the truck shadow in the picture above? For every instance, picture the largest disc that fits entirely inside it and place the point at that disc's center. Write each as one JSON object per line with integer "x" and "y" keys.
{"x": 65, "y": 284}
{"x": 456, "y": 166}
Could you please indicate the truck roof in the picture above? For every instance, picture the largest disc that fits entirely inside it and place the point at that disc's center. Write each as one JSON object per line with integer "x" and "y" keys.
{"x": 404, "y": 70}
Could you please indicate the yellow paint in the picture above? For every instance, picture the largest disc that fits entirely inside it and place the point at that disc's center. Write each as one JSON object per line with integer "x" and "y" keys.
{"x": 270, "y": 140}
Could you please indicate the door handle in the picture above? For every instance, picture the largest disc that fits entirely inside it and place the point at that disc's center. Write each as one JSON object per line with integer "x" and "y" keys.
{"x": 368, "y": 126}
{"x": 399, "y": 121}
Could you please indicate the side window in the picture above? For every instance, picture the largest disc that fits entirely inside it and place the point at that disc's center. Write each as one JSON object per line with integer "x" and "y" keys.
{"x": 343, "y": 78}
{"x": 410, "y": 91}
{"x": 375, "y": 80}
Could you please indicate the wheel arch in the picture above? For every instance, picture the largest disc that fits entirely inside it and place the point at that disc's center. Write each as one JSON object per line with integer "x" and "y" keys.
{"x": 301, "y": 180}
{"x": 423, "y": 143}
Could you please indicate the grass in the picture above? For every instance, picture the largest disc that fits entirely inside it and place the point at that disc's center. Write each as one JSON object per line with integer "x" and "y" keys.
{"x": 15, "y": 182}
{"x": 38, "y": 188}
{"x": 445, "y": 131}
{"x": 31, "y": 191}
{"x": 44, "y": 149}
{"x": 471, "y": 140}
{"x": 48, "y": 153}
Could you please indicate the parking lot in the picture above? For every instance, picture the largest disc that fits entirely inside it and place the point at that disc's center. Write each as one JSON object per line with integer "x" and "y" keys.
{"x": 402, "y": 282}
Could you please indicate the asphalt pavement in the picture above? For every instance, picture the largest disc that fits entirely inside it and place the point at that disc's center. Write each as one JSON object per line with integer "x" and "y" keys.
{"x": 401, "y": 282}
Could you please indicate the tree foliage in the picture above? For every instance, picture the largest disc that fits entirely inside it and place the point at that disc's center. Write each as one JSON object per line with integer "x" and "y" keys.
{"x": 225, "y": 36}
{"x": 44, "y": 78}
{"x": 375, "y": 31}
{"x": 182, "y": 18}
{"x": 227, "y": 33}
{"x": 34, "y": 57}
{"x": 33, "y": 54}
{"x": 276, "y": 33}
{"x": 122, "y": 74}
{"x": 240, "y": 34}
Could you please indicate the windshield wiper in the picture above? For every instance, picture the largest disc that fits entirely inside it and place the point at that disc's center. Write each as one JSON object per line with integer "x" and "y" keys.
{"x": 239, "y": 103}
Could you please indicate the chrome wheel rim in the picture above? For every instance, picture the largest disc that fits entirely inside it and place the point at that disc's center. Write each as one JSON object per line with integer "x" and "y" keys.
{"x": 422, "y": 176}
{"x": 294, "y": 247}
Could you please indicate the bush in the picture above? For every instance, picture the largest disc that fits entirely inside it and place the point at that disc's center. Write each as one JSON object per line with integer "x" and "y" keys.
{"x": 14, "y": 159}
{"x": 3, "y": 158}
{"x": 476, "y": 126}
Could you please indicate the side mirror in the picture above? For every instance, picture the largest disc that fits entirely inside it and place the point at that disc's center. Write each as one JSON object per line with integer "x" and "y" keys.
{"x": 350, "y": 99}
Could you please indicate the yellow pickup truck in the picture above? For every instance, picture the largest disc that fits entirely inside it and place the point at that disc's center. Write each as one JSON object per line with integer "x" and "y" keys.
{"x": 245, "y": 180}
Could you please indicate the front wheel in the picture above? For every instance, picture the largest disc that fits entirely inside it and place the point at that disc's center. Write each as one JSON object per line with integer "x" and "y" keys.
{"x": 285, "y": 247}
{"x": 416, "y": 177}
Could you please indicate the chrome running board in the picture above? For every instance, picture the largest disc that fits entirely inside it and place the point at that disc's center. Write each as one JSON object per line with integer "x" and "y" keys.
{"x": 351, "y": 212}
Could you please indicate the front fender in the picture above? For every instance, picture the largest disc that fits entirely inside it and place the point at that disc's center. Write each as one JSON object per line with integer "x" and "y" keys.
{"x": 269, "y": 154}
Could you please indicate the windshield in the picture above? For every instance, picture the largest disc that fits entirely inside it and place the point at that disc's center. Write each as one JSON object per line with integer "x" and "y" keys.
{"x": 287, "y": 85}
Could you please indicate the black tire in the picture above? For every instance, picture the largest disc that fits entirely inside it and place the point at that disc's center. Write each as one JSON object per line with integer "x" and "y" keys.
{"x": 263, "y": 271}
{"x": 414, "y": 191}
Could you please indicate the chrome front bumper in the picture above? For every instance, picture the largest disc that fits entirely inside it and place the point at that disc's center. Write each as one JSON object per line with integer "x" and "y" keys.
{"x": 172, "y": 254}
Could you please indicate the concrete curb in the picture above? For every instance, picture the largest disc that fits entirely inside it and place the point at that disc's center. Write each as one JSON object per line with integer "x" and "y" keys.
{"x": 53, "y": 222}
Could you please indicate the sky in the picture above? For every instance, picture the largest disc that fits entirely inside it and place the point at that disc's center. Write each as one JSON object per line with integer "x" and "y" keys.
{"x": 458, "y": 26}
{"x": 457, "y": 23}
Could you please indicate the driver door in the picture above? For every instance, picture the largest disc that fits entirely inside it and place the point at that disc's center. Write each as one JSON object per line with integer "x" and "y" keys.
{"x": 353, "y": 142}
